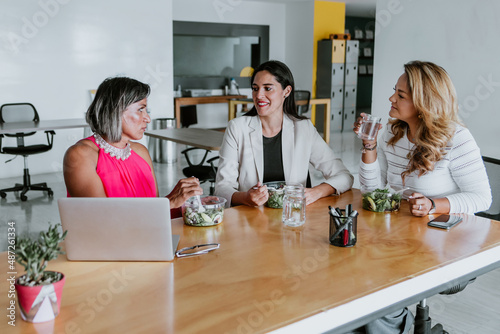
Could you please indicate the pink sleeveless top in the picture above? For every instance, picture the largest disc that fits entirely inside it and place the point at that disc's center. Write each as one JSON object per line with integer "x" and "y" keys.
{"x": 132, "y": 177}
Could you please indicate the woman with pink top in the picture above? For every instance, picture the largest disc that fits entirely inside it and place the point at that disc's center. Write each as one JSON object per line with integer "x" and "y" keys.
{"x": 109, "y": 163}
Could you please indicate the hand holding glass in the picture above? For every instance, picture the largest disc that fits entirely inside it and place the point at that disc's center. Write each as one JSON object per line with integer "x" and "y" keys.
{"x": 369, "y": 127}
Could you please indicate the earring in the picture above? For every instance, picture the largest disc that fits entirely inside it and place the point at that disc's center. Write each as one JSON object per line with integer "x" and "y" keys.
{"x": 419, "y": 116}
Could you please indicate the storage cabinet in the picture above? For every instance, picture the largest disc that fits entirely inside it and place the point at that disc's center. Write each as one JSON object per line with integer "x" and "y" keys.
{"x": 362, "y": 29}
{"x": 337, "y": 79}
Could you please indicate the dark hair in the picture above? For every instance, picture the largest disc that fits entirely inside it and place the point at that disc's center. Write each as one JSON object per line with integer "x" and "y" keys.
{"x": 284, "y": 76}
{"x": 113, "y": 96}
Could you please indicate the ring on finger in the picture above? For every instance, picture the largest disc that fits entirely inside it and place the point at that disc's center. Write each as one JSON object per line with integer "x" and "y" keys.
{"x": 419, "y": 207}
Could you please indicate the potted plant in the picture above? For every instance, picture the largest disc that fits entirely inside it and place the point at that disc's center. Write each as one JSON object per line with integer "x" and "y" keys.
{"x": 39, "y": 292}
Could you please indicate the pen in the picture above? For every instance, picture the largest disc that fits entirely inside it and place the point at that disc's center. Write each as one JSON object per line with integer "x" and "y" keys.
{"x": 348, "y": 209}
{"x": 333, "y": 212}
{"x": 338, "y": 212}
{"x": 348, "y": 229}
{"x": 349, "y": 233}
{"x": 346, "y": 234}
{"x": 334, "y": 215}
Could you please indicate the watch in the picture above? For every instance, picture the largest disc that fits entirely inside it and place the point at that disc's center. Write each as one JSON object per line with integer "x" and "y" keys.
{"x": 433, "y": 208}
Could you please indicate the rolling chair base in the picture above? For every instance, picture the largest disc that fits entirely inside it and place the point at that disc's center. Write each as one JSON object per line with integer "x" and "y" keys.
{"x": 422, "y": 319}
{"x": 423, "y": 322}
{"x": 26, "y": 186}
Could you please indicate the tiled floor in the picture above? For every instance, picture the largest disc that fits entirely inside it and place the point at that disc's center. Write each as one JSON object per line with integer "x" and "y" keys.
{"x": 474, "y": 310}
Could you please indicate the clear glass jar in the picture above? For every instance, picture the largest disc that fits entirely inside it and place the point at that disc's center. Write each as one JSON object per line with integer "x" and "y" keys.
{"x": 294, "y": 205}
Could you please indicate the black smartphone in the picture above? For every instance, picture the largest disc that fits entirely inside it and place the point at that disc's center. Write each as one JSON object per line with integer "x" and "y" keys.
{"x": 445, "y": 221}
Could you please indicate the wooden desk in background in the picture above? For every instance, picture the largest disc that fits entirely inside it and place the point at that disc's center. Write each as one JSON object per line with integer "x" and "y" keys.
{"x": 326, "y": 102}
{"x": 267, "y": 277}
{"x": 42, "y": 125}
{"x": 202, "y": 138}
{"x": 188, "y": 101}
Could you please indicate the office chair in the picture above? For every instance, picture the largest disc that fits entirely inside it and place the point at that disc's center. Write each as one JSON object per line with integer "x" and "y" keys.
{"x": 493, "y": 170}
{"x": 188, "y": 116}
{"x": 422, "y": 319}
{"x": 302, "y": 95}
{"x": 19, "y": 112}
{"x": 200, "y": 170}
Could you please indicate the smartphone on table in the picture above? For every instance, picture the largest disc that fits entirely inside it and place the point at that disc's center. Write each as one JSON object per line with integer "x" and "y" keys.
{"x": 445, "y": 221}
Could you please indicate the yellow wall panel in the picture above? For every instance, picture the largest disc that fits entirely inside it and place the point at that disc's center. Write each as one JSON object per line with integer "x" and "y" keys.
{"x": 329, "y": 18}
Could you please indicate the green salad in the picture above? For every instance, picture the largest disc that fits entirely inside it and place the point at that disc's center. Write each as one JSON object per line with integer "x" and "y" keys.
{"x": 381, "y": 200}
{"x": 207, "y": 218}
{"x": 276, "y": 191}
{"x": 212, "y": 215}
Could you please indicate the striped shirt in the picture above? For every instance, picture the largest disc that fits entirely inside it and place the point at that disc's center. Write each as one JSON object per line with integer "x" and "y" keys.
{"x": 460, "y": 175}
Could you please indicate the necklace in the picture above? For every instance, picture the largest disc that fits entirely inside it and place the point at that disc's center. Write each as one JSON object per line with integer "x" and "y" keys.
{"x": 115, "y": 152}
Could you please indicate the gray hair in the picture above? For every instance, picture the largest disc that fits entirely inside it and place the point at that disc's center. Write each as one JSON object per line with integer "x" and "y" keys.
{"x": 113, "y": 96}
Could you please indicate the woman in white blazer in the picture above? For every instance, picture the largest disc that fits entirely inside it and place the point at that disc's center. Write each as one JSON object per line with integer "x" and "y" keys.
{"x": 273, "y": 143}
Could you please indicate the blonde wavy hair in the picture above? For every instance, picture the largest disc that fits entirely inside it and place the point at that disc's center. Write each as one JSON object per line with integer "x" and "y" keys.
{"x": 435, "y": 100}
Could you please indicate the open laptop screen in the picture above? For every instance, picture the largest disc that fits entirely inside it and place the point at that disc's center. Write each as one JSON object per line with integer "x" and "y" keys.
{"x": 117, "y": 229}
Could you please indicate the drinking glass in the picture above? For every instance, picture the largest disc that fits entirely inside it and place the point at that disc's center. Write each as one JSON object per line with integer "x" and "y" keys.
{"x": 369, "y": 127}
{"x": 294, "y": 205}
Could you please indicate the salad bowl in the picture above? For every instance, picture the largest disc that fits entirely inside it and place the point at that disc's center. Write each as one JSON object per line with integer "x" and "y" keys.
{"x": 211, "y": 213}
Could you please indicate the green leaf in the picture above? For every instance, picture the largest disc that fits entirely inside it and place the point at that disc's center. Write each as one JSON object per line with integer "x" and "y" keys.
{"x": 34, "y": 255}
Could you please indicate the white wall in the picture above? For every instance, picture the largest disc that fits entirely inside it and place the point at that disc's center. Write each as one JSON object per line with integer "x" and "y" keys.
{"x": 461, "y": 36}
{"x": 237, "y": 12}
{"x": 300, "y": 42}
{"x": 52, "y": 52}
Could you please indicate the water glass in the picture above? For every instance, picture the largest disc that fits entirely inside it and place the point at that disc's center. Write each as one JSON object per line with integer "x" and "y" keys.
{"x": 369, "y": 127}
{"x": 294, "y": 205}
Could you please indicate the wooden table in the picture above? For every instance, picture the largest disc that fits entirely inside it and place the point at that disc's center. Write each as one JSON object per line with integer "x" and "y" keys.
{"x": 232, "y": 104}
{"x": 42, "y": 125}
{"x": 266, "y": 277}
{"x": 187, "y": 101}
{"x": 202, "y": 138}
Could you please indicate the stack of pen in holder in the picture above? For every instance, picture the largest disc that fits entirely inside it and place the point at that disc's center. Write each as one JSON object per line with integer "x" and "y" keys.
{"x": 343, "y": 226}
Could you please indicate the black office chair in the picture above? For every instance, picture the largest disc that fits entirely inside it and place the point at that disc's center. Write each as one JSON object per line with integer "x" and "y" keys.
{"x": 493, "y": 170}
{"x": 20, "y": 112}
{"x": 302, "y": 95}
{"x": 200, "y": 170}
{"x": 422, "y": 319}
{"x": 188, "y": 116}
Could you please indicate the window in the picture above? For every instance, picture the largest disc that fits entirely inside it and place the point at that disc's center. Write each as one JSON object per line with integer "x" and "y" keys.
{"x": 206, "y": 55}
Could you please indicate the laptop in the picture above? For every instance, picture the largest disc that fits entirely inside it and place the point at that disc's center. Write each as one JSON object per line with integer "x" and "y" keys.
{"x": 117, "y": 229}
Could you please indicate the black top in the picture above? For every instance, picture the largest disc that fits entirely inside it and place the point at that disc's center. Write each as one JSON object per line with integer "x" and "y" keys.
{"x": 273, "y": 159}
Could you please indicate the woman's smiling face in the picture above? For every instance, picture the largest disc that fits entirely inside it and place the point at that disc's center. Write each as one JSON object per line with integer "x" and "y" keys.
{"x": 268, "y": 95}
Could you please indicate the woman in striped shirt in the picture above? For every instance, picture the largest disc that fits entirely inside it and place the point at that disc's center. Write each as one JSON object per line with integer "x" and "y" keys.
{"x": 426, "y": 148}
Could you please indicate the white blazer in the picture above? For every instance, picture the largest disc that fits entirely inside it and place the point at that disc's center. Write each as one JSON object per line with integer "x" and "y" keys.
{"x": 241, "y": 164}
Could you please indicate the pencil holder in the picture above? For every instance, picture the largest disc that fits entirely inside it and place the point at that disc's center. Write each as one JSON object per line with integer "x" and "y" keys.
{"x": 343, "y": 231}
